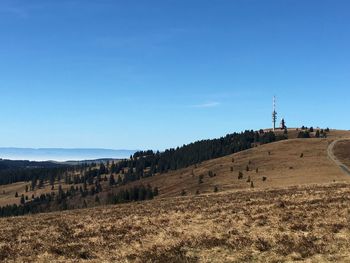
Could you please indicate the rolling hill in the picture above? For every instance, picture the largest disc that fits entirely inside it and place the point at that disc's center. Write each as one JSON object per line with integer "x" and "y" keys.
{"x": 281, "y": 201}
{"x": 61, "y": 154}
{"x": 280, "y": 163}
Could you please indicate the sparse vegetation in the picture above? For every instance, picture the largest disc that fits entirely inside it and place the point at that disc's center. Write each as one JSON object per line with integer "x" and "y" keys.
{"x": 310, "y": 234}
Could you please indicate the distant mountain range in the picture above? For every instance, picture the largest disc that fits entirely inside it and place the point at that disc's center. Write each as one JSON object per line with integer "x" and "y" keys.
{"x": 62, "y": 154}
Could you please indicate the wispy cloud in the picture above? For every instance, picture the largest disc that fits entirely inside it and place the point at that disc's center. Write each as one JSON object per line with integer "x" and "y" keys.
{"x": 207, "y": 105}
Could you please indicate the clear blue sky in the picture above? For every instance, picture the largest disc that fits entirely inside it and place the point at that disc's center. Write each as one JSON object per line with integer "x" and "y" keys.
{"x": 157, "y": 74}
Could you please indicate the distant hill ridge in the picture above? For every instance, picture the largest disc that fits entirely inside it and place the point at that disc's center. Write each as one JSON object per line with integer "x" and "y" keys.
{"x": 62, "y": 154}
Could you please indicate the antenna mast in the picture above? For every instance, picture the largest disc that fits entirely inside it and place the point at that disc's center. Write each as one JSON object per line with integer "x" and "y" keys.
{"x": 274, "y": 114}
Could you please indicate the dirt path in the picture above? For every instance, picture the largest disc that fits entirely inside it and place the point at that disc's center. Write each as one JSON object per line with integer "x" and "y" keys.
{"x": 331, "y": 156}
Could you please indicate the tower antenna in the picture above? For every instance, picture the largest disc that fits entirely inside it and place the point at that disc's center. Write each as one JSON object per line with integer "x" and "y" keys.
{"x": 274, "y": 114}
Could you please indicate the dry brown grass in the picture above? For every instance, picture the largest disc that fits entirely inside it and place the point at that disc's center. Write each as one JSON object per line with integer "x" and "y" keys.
{"x": 342, "y": 151}
{"x": 301, "y": 212}
{"x": 282, "y": 167}
{"x": 7, "y": 192}
{"x": 310, "y": 223}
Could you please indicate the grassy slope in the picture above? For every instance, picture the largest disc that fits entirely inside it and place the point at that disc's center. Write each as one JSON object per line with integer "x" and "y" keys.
{"x": 272, "y": 222}
{"x": 283, "y": 167}
{"x": 300, "y": 223}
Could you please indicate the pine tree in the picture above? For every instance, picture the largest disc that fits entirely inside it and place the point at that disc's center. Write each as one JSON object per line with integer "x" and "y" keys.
{"x": 155, "y": 191}
{"x": 317, "y": 135}
{"x": 149, "y": 193}
{"x": 111, "y": 180}
{"x": 23, "y": 201}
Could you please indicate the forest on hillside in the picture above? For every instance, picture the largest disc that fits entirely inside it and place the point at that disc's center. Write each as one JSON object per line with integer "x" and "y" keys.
{"x": 85, "y": 179}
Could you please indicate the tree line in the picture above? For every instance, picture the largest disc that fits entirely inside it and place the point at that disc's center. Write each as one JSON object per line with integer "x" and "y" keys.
{"x": 147, "y": 163}
{"x": 60, "y": 201}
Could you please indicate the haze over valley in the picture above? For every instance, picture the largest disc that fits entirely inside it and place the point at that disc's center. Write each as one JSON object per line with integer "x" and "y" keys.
{"x": 61, "y": 154}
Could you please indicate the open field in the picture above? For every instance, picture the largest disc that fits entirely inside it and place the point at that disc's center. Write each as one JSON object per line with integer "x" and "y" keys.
{"x": 310, "y": 223}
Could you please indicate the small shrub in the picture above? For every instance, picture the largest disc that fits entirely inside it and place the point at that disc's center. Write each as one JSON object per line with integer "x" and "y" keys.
{"x": 210, "y": 174}
{"x": 183, "y": 192}
{"x": 197, "y": 192}
{"x": 247, "y": 168}
{"x": 240, "y": 175}
{"x": 264, "y": 178}
{"x": 301, "y": 155}
{"x": 280, "y": 204}
{"x": 231, "y": 168}
{"x": 257, "y": 170}
{"x": 262, "y": 245}
{"x": 248, "y": 179}
{"x": 200, "y": 179}
{"x": 251, "y": 184}
{"x": 216, "y": 189}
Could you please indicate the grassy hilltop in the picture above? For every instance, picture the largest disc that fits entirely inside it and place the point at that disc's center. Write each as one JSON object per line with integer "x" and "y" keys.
{"x": 281, "y": 201}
